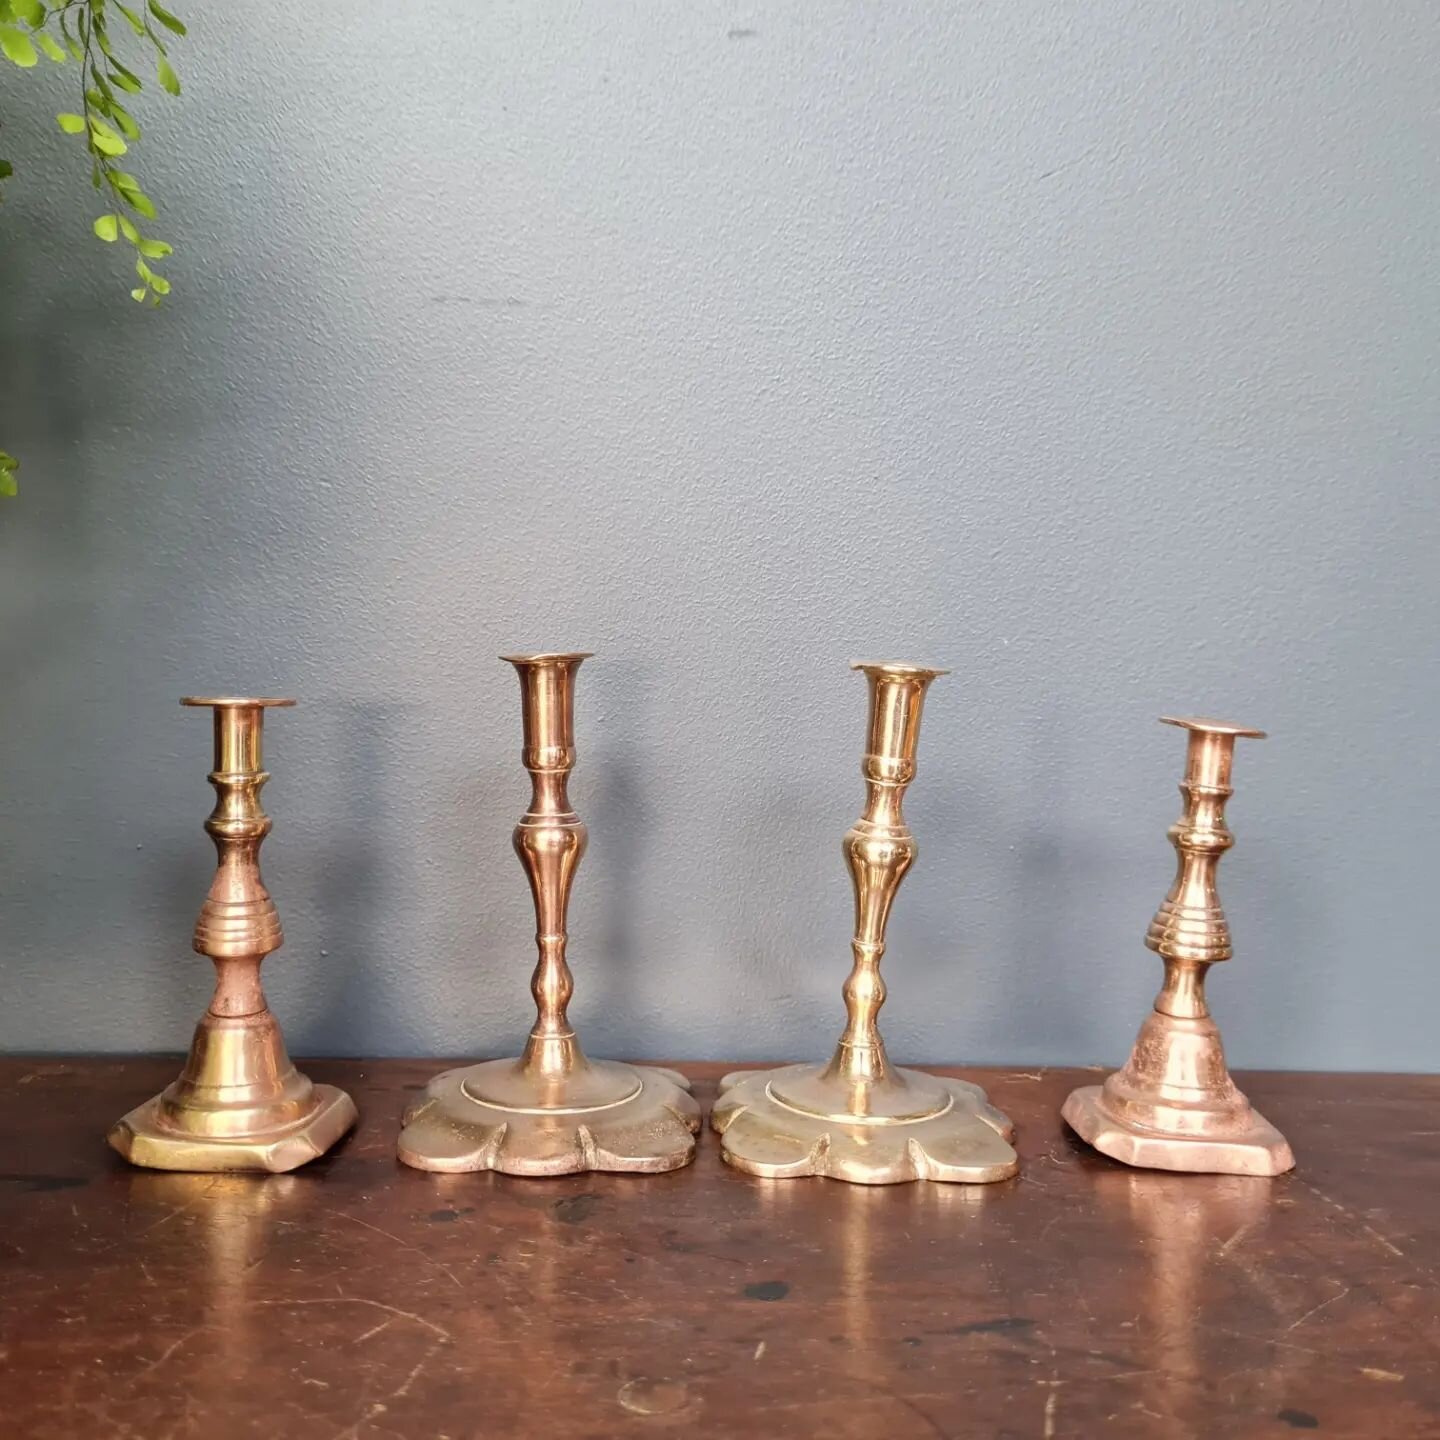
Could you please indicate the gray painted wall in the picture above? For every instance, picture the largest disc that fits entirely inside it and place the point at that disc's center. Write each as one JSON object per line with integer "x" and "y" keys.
{"x": 1089, "y": 349}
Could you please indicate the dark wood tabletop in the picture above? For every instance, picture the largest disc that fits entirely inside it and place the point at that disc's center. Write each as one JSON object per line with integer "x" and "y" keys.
{"x": 359, "y": 1300}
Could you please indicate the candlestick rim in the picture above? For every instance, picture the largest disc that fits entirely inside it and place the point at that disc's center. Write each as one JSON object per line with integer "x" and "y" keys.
{"x": 548, "y": 657}
{"x": 237, "y": 702}
{"x": 1212, "y": 727}
{"x": 900, "y": 669}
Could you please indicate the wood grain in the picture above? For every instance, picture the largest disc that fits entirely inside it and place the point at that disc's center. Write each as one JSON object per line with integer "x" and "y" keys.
{"x": 358, "y": 1300}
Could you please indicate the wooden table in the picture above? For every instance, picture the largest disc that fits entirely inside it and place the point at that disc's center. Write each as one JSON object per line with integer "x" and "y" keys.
{"x": 356, "y": 1300}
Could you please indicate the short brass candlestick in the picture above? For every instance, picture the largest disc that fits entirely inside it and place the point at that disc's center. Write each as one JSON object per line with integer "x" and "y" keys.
{"x": 860, "y": 1118}
{"x": 552, "y": 1111}
{"x": 1174, "y": 1105}
{"x": 239, "y": 1103}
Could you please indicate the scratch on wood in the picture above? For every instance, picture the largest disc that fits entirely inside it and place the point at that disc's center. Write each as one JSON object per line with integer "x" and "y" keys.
{"x": 1350, "y": 1215}
{"x": 373, "y": 1331}
{"x": 414, "y": 1375}
{"x": 403, "y": 1244}
{"x": 359, "y": 1300}
{"x": 760, "y": 1350}
{"x": 1388, "y": 1375}
{"x": 352, "y": 1432}
{"x": 1259, "y": 1339}
{"x": 1234, "y": 1240}
{"x": 1316, "y": 1309}
{"x": 1052, "y": 1404}
{"x": 166, "y": 1218}
{"x": 168, "y": 1352}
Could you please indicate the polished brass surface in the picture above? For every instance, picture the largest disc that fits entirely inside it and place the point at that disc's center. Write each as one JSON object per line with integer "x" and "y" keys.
{"x": 1174, "y": 1106}
{"x": 552, "y": 1111}
{"x": 859, "y": 1117}
{"x": 239, "y": 1104}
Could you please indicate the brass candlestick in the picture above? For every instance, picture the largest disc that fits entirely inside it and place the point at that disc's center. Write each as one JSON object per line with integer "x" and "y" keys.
{"x": 552, "y": 1111}
{"x": 1174, "y": 1105}
{"x": 859, "y": 1118}
{"x": 239, "y": 1103}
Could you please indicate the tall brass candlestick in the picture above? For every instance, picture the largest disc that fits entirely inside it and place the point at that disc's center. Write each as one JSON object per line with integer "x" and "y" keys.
{"x": 552, "y": 1111}
{"x": 239, "y": 1103}
{"x": 860, "y": 1118}
{"x": 1174, "y": 1105}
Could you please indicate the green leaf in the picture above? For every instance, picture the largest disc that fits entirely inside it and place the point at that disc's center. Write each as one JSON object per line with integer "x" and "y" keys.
{"x": 169, "y": 80}
{"x": 71, "y": 44}
{"x": 127, "y": 82}
{"x": 6, "y": 169}
{"x": 17, "y": 47}
{"x": 49, "y": 45}
{"x": 154, "y": 249}
{"x": 169, "y": 21}
{"x": 128, "y": 230}
{"x": 105, "y": 140}
{"x": 143, "y": 270}
{"x": 126, "y": 71}
{"x": 125, "y": 121}
{"x": 139, "y": 202}
{"x": 32, "y": 12}
{"x": 139, "y": 293}
{"x": 8, "y": 466}
{"x": 159, "y": 284}
{"x": 70, "y": 123}
{"x": 136, "y": 23}
{"x": 107, "y": 228}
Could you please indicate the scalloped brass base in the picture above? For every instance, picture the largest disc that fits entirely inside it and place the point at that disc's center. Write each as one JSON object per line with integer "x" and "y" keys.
{"x": 955, "y": 1136}
{"x": 605, "y": 1116}
{"x": 143, "y": 1140}
{"x": 1251, "y": 1145}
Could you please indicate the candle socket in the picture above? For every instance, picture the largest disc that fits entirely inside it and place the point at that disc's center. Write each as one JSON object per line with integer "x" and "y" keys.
{"x": 239, "y": 1103}
{"x": 1174, "y": 1106}
{"x": 860, "y": 1118}
{"x": 552, "y": 1110}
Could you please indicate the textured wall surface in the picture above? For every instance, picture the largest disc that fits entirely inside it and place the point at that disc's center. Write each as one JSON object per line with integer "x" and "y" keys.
{"x": 1090, "y": 350}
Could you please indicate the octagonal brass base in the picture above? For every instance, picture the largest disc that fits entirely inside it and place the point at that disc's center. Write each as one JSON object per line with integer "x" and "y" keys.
{"x": 143, "y": 1140}
{"x": 802, "y": 1120}
{"x": 602, "y": 1116}
{"x": 1251, "y": 1145}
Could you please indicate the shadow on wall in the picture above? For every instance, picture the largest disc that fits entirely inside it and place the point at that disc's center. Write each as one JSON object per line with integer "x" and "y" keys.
{"x": 353, "y": 988}
{"x": 620, "y": 1018}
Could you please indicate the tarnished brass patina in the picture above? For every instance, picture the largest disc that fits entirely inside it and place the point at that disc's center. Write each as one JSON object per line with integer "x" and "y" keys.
{"x": 239, "y": 1103}
{"x": 1174, "y": 1105}
{"x": 553, "y": 1111}
{"x": 860, "y": 1118}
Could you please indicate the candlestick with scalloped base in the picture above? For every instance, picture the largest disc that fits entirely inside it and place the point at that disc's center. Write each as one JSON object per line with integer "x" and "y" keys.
{"x": 860, "y": 1118}
{"x": 551, "y": 1111}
